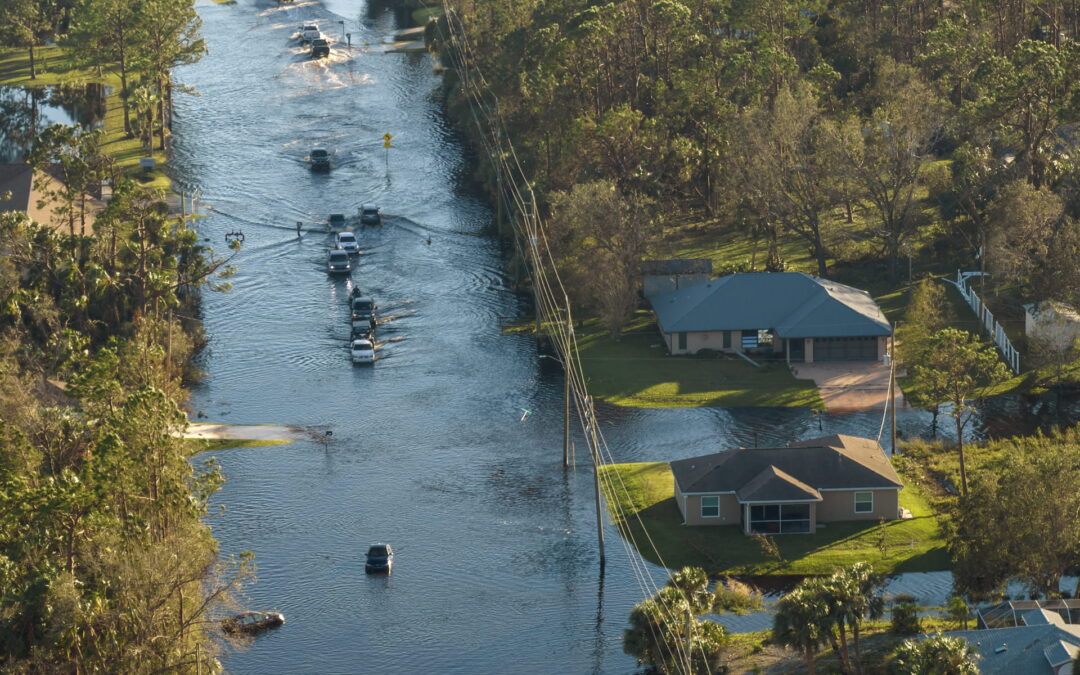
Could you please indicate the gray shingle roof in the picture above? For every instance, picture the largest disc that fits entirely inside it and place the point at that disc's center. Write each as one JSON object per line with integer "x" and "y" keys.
{"x": 1029, "y": 650}
{"x": 792, "y": 304}
{"x": 835, "y": 462}
{"x": 16, "y": 179}
{"x": 773, "y": 485}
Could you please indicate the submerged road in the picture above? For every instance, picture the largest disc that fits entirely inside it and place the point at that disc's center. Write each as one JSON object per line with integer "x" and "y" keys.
{"x": 497, "y": 567}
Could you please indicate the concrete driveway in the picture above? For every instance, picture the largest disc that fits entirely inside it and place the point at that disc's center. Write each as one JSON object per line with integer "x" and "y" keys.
{"x": 850, "y": 386}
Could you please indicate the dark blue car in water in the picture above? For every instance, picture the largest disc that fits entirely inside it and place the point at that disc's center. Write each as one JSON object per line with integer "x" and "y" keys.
{"x": 380, "y": 558}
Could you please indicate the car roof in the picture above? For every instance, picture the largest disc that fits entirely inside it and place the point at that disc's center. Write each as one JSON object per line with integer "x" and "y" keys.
{"x": 361, "y": 343}
{"x": 369, "y": 207}
{"x": 347, "y": 235}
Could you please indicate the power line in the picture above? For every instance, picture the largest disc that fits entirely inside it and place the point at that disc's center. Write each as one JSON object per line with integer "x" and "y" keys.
{"x": 552, "y": 306}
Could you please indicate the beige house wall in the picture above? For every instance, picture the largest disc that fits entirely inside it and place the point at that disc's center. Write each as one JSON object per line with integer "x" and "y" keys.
{"x": 839, "y": 505}
{"x": 698, "y": 340}
{"x": 680, "y": 498}
{"x": 836, "y": 506}
{"x": 730, "y": 513}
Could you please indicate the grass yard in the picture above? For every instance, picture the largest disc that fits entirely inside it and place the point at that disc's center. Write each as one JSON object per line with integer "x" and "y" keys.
{"x": 915, "y": 545}
{"x": 635, "y": 371}
{"x": 198, "y": 445}
{"x": 55, "y": 66}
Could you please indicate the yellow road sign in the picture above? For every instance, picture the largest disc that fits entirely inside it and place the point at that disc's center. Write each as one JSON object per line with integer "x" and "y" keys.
{"x": 386, "y": 144}
{"x": 387, "y": 137}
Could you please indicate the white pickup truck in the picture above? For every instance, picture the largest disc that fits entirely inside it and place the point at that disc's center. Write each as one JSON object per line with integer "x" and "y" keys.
{"x": 309, "y": 32}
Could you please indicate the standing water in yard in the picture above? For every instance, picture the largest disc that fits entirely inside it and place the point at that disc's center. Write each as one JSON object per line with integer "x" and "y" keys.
{"x": 496, "y": 564}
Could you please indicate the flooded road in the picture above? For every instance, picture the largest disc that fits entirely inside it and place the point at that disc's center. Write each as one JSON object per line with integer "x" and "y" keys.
{"x": 496, "y": 567}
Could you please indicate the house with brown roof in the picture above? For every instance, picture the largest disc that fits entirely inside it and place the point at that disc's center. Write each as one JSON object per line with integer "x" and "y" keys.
{"x": 17, "y": 183}
{"x": 789, "y": 490}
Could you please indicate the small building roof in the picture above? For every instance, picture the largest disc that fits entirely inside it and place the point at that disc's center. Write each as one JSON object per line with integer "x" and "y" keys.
{"x": 797, "y": 472}
{"x": 676, "y": 266}
{"x": 17, "y": 179}
{"x": 1050, "y": 309}
{"x": 1023, "y": 649}
{"x": 792, "y": 304}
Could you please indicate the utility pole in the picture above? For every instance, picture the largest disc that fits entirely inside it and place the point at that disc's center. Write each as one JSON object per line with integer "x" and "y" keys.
{"x": 892, "y": 389}
{"x": 566, "y": 418}
{"x": 599, "y": 509}
{"x": 892, "y": 403}
{"x": 590, "y": 416}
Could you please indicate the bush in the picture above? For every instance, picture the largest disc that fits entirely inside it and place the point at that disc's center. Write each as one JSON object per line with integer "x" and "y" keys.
{"x": 905, "y": 615}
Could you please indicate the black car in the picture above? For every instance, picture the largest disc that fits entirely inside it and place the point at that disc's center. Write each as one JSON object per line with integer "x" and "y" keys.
{"x": 380, "y": 558}
{"x": 369, "y": 215}
{"x": 320, "y": 48}
{"x": 320, "y": 160}
{"x": 337, "y": 262}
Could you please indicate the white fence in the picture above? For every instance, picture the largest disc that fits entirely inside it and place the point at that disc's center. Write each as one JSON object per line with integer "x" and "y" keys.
{"x": 996, "y": 330}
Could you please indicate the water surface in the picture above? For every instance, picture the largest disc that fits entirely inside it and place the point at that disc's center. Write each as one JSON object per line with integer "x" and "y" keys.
{"x": 431, "y": 451}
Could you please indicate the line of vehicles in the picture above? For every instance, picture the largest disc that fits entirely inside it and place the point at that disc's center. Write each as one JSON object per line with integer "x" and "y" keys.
{"x": 362, "y": 308}
{"x": 319, "y": 43}
{"x": 362, "y": 322}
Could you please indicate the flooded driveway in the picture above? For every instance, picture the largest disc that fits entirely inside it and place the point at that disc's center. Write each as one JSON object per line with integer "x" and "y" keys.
{"x": 496, "y": 565}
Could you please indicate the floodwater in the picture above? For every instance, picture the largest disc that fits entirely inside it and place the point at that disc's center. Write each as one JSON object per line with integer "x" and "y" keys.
{"x": 432, "y": 449}
{"x": 24, "y": 111}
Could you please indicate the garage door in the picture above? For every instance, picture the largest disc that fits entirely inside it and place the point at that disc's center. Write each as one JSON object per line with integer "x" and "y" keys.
{"x": 845, "y": 349}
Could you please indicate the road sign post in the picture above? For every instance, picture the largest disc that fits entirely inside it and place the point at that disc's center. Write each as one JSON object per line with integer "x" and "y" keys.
{"x": 386, "y": 144}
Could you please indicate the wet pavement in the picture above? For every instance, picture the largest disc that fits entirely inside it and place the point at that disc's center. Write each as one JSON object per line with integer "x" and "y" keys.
{"x": 496, "y": 567}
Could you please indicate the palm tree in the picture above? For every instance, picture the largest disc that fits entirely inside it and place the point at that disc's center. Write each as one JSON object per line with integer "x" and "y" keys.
{"x": 858, "y": 595}
{"x": 801, "y": 622}
{"x": 936, "y": 655}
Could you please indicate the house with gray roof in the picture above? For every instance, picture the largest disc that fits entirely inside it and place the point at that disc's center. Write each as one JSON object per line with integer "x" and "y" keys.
{"x": 789, "y": 490}
{"x": 1044, "y": 644}
{"x": 796, "y": 316}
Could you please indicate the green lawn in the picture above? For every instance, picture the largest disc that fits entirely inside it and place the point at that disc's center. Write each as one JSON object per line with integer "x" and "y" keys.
{"x": 634, "y": 371}
{"x": 915, "y": 545}
{"x": 213, "y": 444}
{"x": 55, "y": 66}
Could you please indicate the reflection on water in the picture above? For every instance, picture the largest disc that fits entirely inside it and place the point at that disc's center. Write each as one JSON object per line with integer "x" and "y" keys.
{"x": 24, "y": 111}
{"x": 496, "y": 558}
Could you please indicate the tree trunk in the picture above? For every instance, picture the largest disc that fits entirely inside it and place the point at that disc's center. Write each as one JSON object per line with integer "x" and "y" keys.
{"x": 161, "y": 111}
{"x": 124, "y": 87}
{"x": 845, "y": 658}
{"x": 858, "y": 649}
{"x": 810, "y": 665}
{"x": 33, "y": 64}
{"x": 960, "y": 448}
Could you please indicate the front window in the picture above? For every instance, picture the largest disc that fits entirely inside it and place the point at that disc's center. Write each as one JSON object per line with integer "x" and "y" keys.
{"x": 749, "y": 340}
{"x": 710, "y": 507}
{"x": 864, "y": 502}
{"x": 780, "y": 518}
